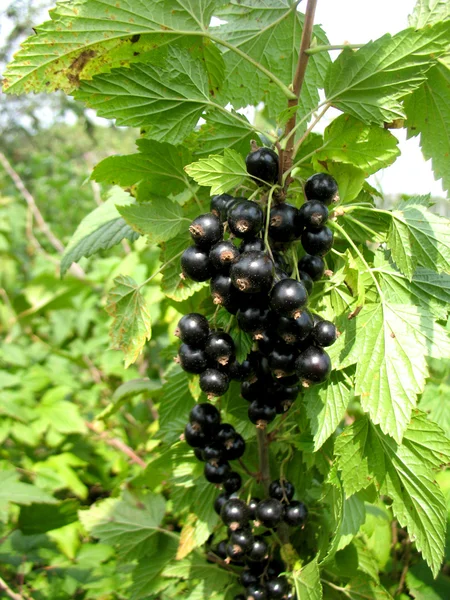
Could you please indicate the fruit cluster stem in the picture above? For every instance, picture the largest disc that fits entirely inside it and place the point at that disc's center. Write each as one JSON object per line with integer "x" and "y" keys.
{"x": 263, "y": 454}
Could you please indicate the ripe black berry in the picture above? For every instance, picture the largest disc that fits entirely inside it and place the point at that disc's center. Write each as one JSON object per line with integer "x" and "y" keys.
{"x": 212, "y": 452}
{"x": 195, "y": 436}
{"x": 280, "y": 275}
{"x": 220, "y": 501}
{"x": 222, "y": 289}
{"x": 318, "y": 243}
{"x": 243, "y": 538}
{"x": 313, "y": 365}
{"x": 321, "y": 186}
{"x": 192, "y": 360}
{"x": 262, "y": 164}
{"x": 284, "y": 224}
{"x": 277, "y": 588}
{"x": 232, "y": 482}
{"x": 241, "y": 371}
{"x": 324, "y": 333}
{"x": 193, "y": 329}
{"x": 288, "y": 297}
{"x": 240, "y": 597}
{"x": 206, "y": 416}
{"x": 282, "y": 360}
{"x": 234, "y": 448}
{"x": 269, "y": 512}
{"x": 213, "y": 383}
{"x": 206, "y": 230}
{"x": 248, "y": 578}
{"x": 235, "y": 513}
{"x": 252, "y": 390}
{"x": 219, "y": 347}
{"x": 195, "y": 264}
{"x": 266, "y": 342}
{"x": 294, "y": 331}
{"x": 260, "y": 413}
{"x": 256, "y": 591}
{"x": 252, "y": 504}
{"x": 314, "y": 214}
{"x": 307, "y": 281}
{"x": 282, "y": 490}
{"x": 216, "y": 473}
{"x": 313, "y": 265}
{"x": 219, "y": 205}
{"x": 222, "y": 255}
{"x": 252, "y": 245}
{"x": 221, "y": 550}
{"x": 198, "y": 453}
{"x": 245, "y": 219}
{"x": 295, "y": 514}
{"x": 259, "y": 550}
{"x": 253, "y": 272}
{"x": 254, "y": 319}
{"x": 225, "y": 433}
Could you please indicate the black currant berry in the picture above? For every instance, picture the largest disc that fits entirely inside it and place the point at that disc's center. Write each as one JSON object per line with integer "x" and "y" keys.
{"x": 234, "y": 448}
{"x": 295, "y": 331}
{"x": 219, "y": 205}
{"x": 282, "y": 360}
{"x": 220, "y": 501}
{"x": 222, "y": 255}
{"x": 193, "y": 329}
{"x": 225, "y": 433}
{"x": 206, "y": 416}
{"x": 318, "y": 243}
{"x": 222, "y": 289}
{"x": 214, "y": 383}
{"x": 259, "y": 550}
{"x": 198, "y": 453}
{"x": 280, "y": 275}
{"x": 261, "y": 414}
{"x": 212, "y": 452}
{"x": 232, "y": 482}
{"x": 243, "y": 538}
{"x": 192, "y": 360}
{"x": 216, "y": 473}
{"x": 314, "y": 214}
{"x": 252, "y": 504}
{"x": 274, "y": 568}
{"x": 280, "y": 260}
{"x": 253, "y": 272}
{"x": 277, "y": 588}
{"x": 245, "y": 219}
{"x": 252, "y": 245}
{"x": 195, "y": 436}
{"x": 324, "y": 333}
{"x": 248, "y": 578}
{"x": 313, "y": 365}
{"x": 195, "y": 264}
{"x": 262, "y": 164}
{"x": 288, "y": 297}
{"x": 240, "y": 597}
{"x": 254, "y": 319}
{"x": 235, "y": 514}
{"x": 284, "y": 225}
{"x": 313, "y": 265}
{"x": 241, "y": 371}
{"x": 256, "y": 591}
{"x": 221, "y": 550}
{"x": 266, "y": 342}
{"x": 252, "y": 390}
{"x": 282, "y": 490}
{"x": 307, "y": 281}
{"x": 220, "y": 347}
{"x": 269, "y": 512}
{"x": 322, "y": 187}
{"x": 206, "y": 230}
{"x": 295, "y": 514}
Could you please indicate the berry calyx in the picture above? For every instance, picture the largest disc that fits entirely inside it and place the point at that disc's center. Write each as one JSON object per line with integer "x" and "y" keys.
{"x": 295, "y": 514}
{"x": 192, "y": 360}
{"x": 235, "y": 514}
{"x": 318, "y": 243}
{"x": 313, "y": 265}
{"x": 288, "y": 297}
{"x": 262, "y": 165}
{"x": 285, "y": 224}
{"x": 220, "y": 347}
{"x": 222, "y": 255}
{"x": 314, "y": 214}
{"x": 324, "y": 333}
{"x": 253, "y": 272}
{"x": 195, "y": 264}
{"x": 269, "y": 512}
{"x": 322, "y": 187}
{"x": 193, "y": 329}
{"x": 282, "y": 490}
{"x": 213, "y": 383}
{"x": 313, "y": 365}
{"x": 245, "y": 219}
{"x": 206, "y": 230}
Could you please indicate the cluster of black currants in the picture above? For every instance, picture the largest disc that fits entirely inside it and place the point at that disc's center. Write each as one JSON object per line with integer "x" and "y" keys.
{"x": 247, "y": 546}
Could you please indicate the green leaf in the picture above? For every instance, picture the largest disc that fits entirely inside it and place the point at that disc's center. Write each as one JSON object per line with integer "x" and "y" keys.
{"x": 172, "y": 284}
{"x": 307, "y": 582}
{"x": 370, "y": 83}
{"x": 389, "y": 344}
{"x": 365, "y": 455}
{"x": 99, "y": 230}
{"x": 128, "y": 524}
{"x": 146, "y": 575}
{"x": 435, "y": 403}
{"x": 419, "y": 237}
{"x": 222, "y": 130}
{"x": 175, "y": 406}
{"x": 125, "y": 392}
{"x": 363, "y": 588}
{"x": 270, "y": 33}
{"x": 131, "y": 326}
{"x": 350, "y": 180}
{"x": 13, "y": 490}
{"x": 161, "y": 219}
{"x": 428, "y": 115}
{"x": 195, "y": 567}
{"x": 422, "y": 585}
{"x": 326, "y": 405}
{"x": 365, "y": 223}
{"x": 40, "y": 518}
{"x": 159, "y": 164}
{"x": 427, "y": 12}
{"x": 350, "y": 141}
{"x": 220, "y": 172}
{"x": 106, "y": 34}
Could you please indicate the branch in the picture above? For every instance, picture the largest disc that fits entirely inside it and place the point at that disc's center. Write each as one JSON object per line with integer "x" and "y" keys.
{"x": 77, "y": 271}
{"x": 118, "y": 444}
{"x": 299, "y": 78}
{"x": 263, "y": 455}
{"x": 4, "y": 587}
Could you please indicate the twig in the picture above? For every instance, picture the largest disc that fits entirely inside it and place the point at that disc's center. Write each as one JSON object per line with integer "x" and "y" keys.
{"x": 406, "y": 557}
{"x": 118, "y": 444}
{"x": 299, "y": 77}
{"x": 4, "y": 587}
{"x": 263, "y": 454}
{"x": 40, "y": 222}
{"x": 246, "y": 469}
